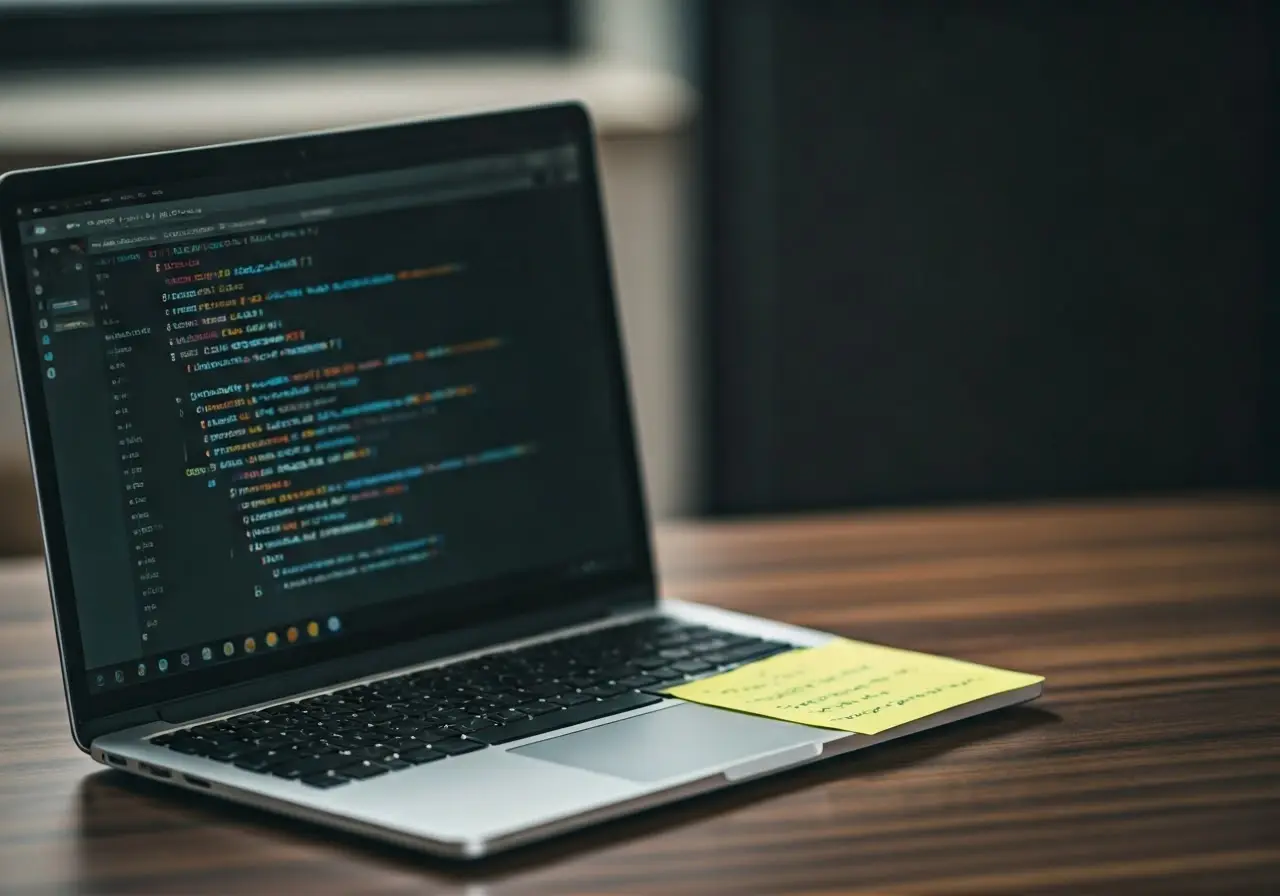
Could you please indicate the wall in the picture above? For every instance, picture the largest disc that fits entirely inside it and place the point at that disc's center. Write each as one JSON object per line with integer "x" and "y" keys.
{"x": 987, "y": 251}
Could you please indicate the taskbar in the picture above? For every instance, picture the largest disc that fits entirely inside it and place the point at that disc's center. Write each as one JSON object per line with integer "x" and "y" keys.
{"x": 213, "y": 653}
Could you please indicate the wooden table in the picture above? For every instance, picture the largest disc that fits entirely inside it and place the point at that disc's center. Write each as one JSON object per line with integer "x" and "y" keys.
{"x": 1151, "y": 765}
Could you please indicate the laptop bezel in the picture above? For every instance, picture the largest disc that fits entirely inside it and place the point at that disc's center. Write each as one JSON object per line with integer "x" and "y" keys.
{"x": 292, "y": 158}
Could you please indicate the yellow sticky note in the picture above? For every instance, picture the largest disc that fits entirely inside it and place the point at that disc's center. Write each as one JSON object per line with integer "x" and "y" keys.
{"x": 852, "y": 686}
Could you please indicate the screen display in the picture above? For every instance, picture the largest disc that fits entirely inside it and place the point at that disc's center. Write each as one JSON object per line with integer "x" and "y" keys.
{"x": 278, "y": 413}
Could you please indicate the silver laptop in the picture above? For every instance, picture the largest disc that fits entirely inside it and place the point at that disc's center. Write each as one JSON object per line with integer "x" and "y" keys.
{"x": 339, "y": 488}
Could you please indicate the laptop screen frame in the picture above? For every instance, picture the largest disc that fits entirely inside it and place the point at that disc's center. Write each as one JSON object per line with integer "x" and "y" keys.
{"x": 289, "y": 160}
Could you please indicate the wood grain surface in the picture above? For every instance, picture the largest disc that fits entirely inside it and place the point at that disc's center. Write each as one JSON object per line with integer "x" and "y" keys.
{"x": 1151, "y": 765}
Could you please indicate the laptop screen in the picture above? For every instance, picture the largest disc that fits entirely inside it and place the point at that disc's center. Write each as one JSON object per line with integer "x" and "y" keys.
{"x": 285, "y": 414}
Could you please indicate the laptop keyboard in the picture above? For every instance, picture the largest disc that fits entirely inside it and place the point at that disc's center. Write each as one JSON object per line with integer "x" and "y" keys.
{"x": 397, "y": 723}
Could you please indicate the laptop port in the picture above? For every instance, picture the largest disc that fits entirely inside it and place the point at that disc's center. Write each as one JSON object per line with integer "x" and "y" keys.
{"x": 156, "y": 772}
{"x": 117, "y": 760}
{"x": 197, "y": 782}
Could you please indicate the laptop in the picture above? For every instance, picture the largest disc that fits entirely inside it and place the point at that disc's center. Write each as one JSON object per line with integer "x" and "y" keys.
{"x": 339, "y": 491}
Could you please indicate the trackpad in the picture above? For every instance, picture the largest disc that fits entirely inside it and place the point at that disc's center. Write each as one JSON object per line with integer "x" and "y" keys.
{"x": 671, "y": 742}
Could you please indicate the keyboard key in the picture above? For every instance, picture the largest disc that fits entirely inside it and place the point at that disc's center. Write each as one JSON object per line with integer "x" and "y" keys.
{"x": 537, "y": 709}
{"x": 676, "y": 639}
{"x": 420, "y": 755}
{"x": 379, "y": 715}
{"x": 545, "y": 690}
{"x": 664, "y": 672}
{"x": 305, "y": 768}
{"x": 399, "y": 745}
{"x": 362, "y": 770}
{"x": 405, "y": 727}
{"x": 608, "y": 690}
{"x": 569, "y": 699}
{"x": 448, "y": 718}
{"x": 505, "y": 715}
{"x": 587, "y": 712}
{"x": 765, "y": 650}
{"x": 324, "y": 782}
{"x": 712, "y": 644}
{"x": 691, "y": 667}
{"x": 260, "y": 762}
{"x": 647, "y": 663}
{"x": 481, "y": 724}
{"x": 256, "y": 762}
{"x": 431, "y": 735}
{"x": 636, "y": 681}
{"x": 457, "y": 747}
{"x": 745, "y": 653}
{"x": 344, "y": 738}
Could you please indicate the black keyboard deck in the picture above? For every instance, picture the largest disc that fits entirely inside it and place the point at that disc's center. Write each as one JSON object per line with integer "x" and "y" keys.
{"x": 397, "y": 723}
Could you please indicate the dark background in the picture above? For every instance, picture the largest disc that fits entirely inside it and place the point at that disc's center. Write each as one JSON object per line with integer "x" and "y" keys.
{"x": 50, "y": 35}
{"x": 984, "y": 250}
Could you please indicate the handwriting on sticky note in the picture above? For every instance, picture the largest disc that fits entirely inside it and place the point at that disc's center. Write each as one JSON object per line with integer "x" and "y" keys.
{"x": 852, "y": 686}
